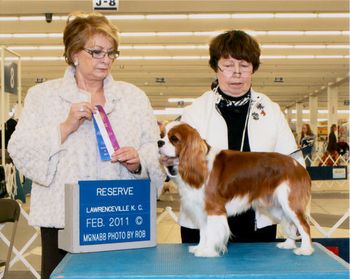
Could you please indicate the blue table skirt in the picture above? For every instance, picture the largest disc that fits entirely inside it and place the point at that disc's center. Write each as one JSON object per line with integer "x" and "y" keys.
{"x": 262, "y": 260}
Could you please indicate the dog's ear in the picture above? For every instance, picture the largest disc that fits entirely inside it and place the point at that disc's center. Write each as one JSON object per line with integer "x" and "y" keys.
{"x": 192, "y": 158}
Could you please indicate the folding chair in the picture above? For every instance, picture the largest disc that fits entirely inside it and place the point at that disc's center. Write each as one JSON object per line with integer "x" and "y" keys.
{"x": 9, "y": 212}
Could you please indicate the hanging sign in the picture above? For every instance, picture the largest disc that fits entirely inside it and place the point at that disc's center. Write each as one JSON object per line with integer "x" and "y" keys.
{"x": 11, "y": 73}
{"x": 105, "y": 5}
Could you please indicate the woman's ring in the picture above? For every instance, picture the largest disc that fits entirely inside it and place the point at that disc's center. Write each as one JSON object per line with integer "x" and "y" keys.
{"x": 81, "y": 109}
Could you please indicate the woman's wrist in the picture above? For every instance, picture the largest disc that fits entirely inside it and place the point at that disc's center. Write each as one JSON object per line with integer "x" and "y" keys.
{"x": 64, "y": 132}
{"x": 138, "y": 170}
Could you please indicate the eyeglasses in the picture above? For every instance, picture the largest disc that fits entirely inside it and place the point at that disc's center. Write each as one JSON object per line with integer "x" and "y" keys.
{"x": 99, "y": 54}
{"x": 230, "y": 69}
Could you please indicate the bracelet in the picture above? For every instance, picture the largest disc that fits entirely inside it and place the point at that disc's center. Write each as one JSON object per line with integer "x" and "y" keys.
{"x": 137, "y": 171}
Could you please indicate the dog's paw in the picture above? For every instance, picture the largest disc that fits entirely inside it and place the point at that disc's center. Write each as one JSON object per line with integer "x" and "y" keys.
{"x": 192, "y": 249}
{"x": 303, "y": 251}
{"x": 209, "y": 253}
{"x": 288, "y": 244}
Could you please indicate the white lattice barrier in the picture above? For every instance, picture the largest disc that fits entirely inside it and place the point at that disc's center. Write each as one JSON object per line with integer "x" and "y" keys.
{"x": 343, "y": 185}
{"x": 19, "y": 253}
{"x": 328, "y": 233}
{"x": 11, "y": 187}
{"x": 317, "y": 160}
{"x": 167, "y": 211}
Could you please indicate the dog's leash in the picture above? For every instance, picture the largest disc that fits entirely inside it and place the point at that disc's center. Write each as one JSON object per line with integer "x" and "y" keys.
{"x": 297, "y": 155}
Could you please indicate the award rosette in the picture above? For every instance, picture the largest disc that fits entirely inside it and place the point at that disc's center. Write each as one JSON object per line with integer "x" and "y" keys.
{"x": 106, "y": 139}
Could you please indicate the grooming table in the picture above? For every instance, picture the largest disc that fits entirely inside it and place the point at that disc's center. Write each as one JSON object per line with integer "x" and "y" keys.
{"x": 254, "y": 260}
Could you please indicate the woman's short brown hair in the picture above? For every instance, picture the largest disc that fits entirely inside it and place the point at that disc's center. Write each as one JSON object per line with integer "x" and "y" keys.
{"x": 81, "y": 27}
{"x": 236, "y": 44}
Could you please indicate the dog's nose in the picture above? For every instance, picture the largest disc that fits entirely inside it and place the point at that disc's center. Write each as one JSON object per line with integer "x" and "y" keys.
{"x": 160, "y": 143}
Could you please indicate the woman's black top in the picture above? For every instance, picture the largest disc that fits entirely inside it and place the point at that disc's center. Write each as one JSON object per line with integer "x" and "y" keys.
{"x": 235, "y": 116}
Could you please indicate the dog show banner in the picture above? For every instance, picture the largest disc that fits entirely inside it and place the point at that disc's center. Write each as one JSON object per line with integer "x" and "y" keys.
{"x": 103, "y": 215}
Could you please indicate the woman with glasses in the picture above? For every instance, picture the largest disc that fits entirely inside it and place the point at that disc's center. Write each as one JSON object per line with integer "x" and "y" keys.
{"x": 234, "y": 116}
{"x": 55, "y": 140}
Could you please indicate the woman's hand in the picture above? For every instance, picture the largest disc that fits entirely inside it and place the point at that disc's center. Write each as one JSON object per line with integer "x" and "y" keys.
{"x": 128, "y": 157}
{"x": 78, "y": 113}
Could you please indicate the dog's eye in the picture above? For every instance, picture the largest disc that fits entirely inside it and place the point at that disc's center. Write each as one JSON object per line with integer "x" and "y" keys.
{"x": 174, "y": 139}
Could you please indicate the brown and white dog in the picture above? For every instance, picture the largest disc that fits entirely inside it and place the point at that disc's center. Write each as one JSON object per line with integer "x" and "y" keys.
{"x": 214, "y": 184}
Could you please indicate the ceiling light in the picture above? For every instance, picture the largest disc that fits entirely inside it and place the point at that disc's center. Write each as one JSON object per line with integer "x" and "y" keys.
{"x": 187, "y": 47}
{"x": 330, "y": 33}
{"x": 166, "y": 17}
{"x": 189, "y": 57}
{"x": 31, "y": 18}
{"x": 253, "y": 15}
{"x": 157, "y": 57}
{"x": 36, "y": 47}
{"x": 126, "y": 17}
{"x": 295, "y": 15}
{"x": 310, "y": 46}
{"x": 8, "y": 18}
{"x": 184, "y": 34}
{"x": 35, "y": 58}
{"x": 304, "y": 57}
{"x": 209, "y": 16}
{"x": 32, "y": 35}
{"x": 338, "y": 46}
{"x": 23, "y": 48}
{"x": 175, "y": 47}
{"x": 277, "y": 46}
{"x": 138, "y": 34}
{"x": 333, "y": 15}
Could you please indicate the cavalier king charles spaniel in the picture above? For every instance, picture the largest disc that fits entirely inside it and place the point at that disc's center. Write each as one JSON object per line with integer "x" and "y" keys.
{"x": 214, "y": 184}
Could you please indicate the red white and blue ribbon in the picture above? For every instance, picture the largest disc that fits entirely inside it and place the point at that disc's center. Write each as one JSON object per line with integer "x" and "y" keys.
{"x": 106, "y": 140}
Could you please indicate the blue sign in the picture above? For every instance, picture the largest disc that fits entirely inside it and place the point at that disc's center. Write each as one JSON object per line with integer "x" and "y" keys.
{"x": 114, "y": 211}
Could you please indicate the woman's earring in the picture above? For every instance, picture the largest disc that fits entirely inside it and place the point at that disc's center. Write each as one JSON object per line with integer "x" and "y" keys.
{"x": 76, "y": 63}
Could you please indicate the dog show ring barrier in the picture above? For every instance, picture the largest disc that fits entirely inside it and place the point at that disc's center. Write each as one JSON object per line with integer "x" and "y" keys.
{"x": 12, "y": 187}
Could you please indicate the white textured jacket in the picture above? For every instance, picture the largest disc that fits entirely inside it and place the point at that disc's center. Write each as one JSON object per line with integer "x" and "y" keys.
{"x": 38, "y": 154}
{"x": 268, "y": 131}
